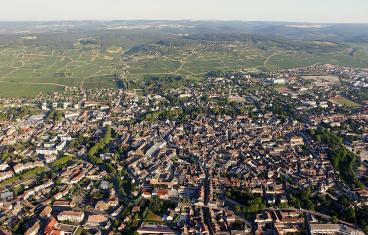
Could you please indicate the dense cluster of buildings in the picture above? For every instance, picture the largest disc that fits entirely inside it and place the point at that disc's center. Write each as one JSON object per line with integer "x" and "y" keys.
{"x": 196, "y": 147}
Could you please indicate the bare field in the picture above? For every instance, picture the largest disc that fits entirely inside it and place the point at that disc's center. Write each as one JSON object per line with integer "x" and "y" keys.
{"x": 323, "y": 80}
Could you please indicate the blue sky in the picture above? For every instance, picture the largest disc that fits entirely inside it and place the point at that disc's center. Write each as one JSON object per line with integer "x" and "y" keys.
{"x": 339, "y": 11}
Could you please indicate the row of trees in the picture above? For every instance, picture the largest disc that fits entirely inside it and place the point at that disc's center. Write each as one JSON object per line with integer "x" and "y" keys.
{"x": 101, "y": 143}
{"x": 164, "y": 83}
{"x": 17, "y": 112}
{"x": 301, "y": 199}
{"x": 54, "y": 115}
{"x": 250, "y": 202}
{"x": 341, "y": 158}
{"x": 121, "y": 179}
{"x": 220, "y": 107}
{"x": 171, "y": 114}
{"x": 60, "y": 163}
{"x": 339, "y": 208}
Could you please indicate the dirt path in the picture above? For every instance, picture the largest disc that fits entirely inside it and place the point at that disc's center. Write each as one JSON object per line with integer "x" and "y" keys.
{"x": 91, "y": 76}
{"x": 268, "y": 58}
{"x": 71, "y": 61}
{"x": 11, "y": 72}
{"x": 36, "y": 83}
{"x": 183, "y": 62}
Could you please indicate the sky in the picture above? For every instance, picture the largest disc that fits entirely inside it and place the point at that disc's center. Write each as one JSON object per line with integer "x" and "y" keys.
{"x": 319, "y": 11}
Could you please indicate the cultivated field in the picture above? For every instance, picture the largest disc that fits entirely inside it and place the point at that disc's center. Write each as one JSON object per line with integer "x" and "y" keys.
{"x": 193, "y": 60}
{"x": 29, "y": 71}
{"x": 31, "y": 64}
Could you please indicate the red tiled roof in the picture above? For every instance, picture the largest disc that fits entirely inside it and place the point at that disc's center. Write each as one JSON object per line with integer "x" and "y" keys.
{"x": 49, "y": 227}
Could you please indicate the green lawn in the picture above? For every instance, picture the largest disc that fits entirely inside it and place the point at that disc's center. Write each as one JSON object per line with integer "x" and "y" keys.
{"x": 346, "y": 102}
{"x": 152, "y": 218}
{"x": 61, "y": 161}
{"x": 16, "y": 89}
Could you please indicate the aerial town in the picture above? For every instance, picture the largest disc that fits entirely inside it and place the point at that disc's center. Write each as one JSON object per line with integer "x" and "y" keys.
{"x": 238, "y": 152}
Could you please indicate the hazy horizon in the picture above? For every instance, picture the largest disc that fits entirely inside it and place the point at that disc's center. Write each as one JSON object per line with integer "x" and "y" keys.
{"x": 303, "y": 11}
{"x": 178, "y": 20}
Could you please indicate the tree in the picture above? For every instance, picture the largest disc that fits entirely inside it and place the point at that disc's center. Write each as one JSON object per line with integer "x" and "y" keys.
{"x": 111, "y": 169}
{"x": 99, "y": 145}
{"x": 309, "y": 205}
{"x": 351, "y": 214}
{"x": 334, "y": 219}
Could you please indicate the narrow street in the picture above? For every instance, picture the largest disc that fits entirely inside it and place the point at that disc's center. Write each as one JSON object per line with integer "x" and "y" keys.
{"x": 206, "y": 210}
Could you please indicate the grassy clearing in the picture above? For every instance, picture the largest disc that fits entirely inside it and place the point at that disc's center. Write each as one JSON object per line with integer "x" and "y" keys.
{"x": 61, "y": 161}
{"x": 152, "y": 218}
{"x": 16, "y": 89}
{"x": 344, "y": 101}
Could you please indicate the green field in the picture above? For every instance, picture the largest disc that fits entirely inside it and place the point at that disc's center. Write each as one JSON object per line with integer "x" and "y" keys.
{"x": 52, "y": 61}
{"x": 346, "y": 102}
{"x": 196, "y": 59}
{"x": 29, "y": 71}
{"x": 153, "y": 218}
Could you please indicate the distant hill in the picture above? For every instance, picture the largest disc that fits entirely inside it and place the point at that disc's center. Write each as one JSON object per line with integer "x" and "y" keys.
{"x": 47, "y": 56}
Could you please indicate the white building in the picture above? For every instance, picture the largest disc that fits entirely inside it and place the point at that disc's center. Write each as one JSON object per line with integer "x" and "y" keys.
{"x": 71, "y": 114}
{"x": 72, "y": 216}
{"x": 61, "y": 146}
{"x": 278, "y": 81}
{"x": 66, "y": 105}
{"x": 29, "y": 165}
{"x": 5, "y": 175}
{"x": 3, "y": 166}
{"x": 50, "y": 158}
{"x": 46, "y": 151}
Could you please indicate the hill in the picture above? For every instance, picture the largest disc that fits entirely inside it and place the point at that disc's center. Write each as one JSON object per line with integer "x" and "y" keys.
{"x": 48, "y": 56}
